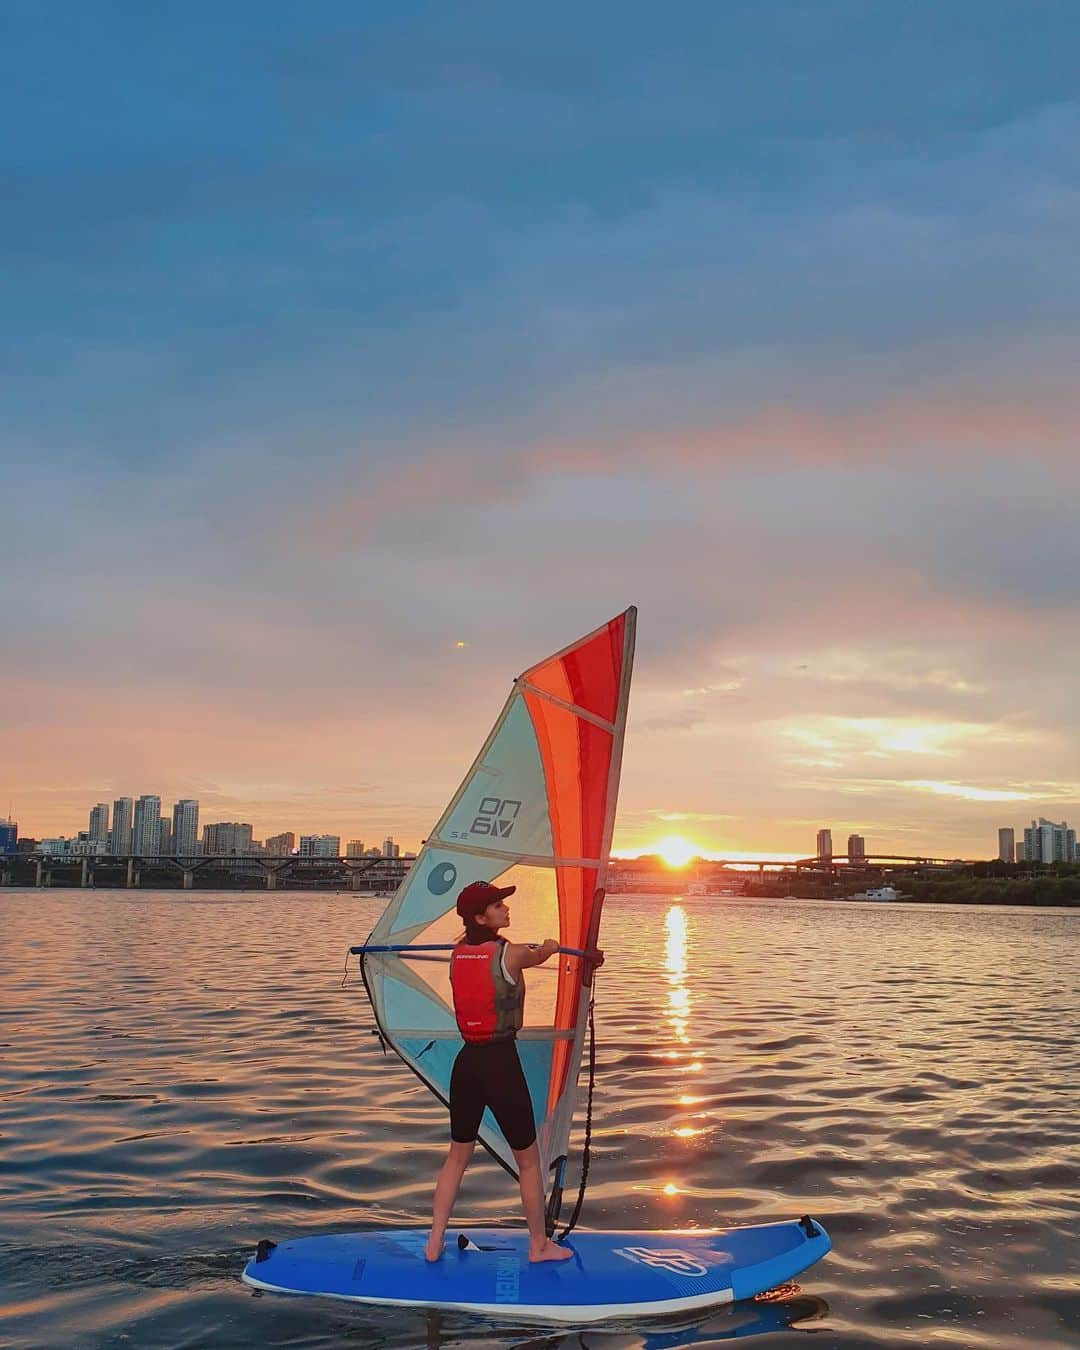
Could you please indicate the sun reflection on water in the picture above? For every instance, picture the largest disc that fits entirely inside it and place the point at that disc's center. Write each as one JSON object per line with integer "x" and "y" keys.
{"x": 679, "y": 1009}
{"x": 675, "y": 959}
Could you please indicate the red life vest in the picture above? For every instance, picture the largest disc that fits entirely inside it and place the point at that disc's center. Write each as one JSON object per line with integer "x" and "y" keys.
{"x": 487, "y": 1005}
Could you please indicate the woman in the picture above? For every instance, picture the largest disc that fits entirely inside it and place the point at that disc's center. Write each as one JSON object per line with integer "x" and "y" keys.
{"x": 489, "y": 1000}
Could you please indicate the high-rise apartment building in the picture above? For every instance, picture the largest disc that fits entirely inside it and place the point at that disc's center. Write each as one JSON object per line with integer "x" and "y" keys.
{"x": 390, "y": 849}
{"x": 354, "y": 848}
{"x": 320, "y": 845}
{"x": 146, "y": 826}
{"x": 824, "y": 844}
{"x": 185, "y": 827}
{"x": 856, "y": 848}
{"x": 228, "y": 837}
{"x": 99, "y": 823}
{"x": 1048, "y": 842}
{"x": 122, "y": 816}
{"x": 1006, "y": 844}
{"x": 281, "y": 845}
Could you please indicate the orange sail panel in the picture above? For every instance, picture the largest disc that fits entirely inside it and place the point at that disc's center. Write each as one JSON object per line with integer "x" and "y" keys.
{"x": 577, "y": 757}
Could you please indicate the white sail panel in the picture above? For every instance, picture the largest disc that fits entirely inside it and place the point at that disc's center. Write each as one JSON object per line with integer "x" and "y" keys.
{"x": 502, "y": 806}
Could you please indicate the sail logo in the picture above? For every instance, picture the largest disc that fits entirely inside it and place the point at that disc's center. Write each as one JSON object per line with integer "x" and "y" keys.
{"x": 441, "y": 878}
{"x": 677, "y": 1262}
{"x": 495, "y": 817}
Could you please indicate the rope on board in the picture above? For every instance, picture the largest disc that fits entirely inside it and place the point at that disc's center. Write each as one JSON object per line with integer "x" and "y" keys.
{"x": 586, "y": 1148}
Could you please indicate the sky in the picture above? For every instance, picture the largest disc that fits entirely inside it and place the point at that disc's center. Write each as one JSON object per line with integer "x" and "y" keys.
{"x": 356, "y": 357}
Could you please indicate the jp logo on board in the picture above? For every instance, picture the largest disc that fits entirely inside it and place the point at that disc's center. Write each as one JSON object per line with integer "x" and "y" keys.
{"x": 495, "y": 817}
{"x": 441, "y": 878}
{"x": 679, "y": 1263}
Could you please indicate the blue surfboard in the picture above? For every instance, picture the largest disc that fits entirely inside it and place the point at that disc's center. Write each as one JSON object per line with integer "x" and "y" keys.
{"x": 487, "y": 1270}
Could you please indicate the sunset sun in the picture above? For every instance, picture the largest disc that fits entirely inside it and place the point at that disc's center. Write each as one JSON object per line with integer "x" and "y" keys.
{"x": 675, "y": 850}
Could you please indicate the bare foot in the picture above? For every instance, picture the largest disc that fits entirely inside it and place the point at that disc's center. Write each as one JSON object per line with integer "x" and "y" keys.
{"x": 550, "y": 1251}
{"x": 433, "y": 1251}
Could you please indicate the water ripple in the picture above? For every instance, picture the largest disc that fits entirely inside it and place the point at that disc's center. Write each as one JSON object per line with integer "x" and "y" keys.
{"x": 906, "y": 1075}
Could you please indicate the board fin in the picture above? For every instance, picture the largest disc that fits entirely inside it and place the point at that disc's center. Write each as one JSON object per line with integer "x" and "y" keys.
{"x": 466, "y": 1244}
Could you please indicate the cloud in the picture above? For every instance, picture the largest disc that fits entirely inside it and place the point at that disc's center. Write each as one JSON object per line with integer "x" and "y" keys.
{"x": 339, "y": 340}
{"x": 973, "y": 794}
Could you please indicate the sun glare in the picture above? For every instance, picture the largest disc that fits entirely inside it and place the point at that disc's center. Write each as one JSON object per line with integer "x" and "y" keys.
{"x": 675, "y": 850}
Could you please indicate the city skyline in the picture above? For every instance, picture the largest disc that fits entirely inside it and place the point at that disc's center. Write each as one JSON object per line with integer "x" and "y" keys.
{"x": 181, "y": 837}
{"x": 1044, "y": 841}
{"x": 339, "y": 393}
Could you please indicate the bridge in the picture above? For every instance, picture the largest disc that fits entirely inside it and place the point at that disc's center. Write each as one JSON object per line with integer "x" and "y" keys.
{"x": 900, "y": 862}
{"x": 383, "y": 875}
{"x": 378, "y": 875}
{"x": 840, "y": 864}
{"x": 837, "y": 862}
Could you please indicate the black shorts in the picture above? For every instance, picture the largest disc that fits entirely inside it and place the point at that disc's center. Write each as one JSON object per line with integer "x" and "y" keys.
{"x": 490, "y": 1075}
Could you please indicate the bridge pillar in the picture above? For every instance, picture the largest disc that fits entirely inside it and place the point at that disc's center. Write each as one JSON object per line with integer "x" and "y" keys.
{"x": 189, "y": 878}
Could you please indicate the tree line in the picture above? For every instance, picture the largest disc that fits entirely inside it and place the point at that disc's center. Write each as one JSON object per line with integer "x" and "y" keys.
{"x": 1000, "y": 883}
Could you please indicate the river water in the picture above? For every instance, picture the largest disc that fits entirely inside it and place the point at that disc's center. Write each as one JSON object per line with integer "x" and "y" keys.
{"x": 183, "y": 1074}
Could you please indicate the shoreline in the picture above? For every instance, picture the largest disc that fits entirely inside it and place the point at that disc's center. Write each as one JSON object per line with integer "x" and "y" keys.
{"x": 612, "y": 898}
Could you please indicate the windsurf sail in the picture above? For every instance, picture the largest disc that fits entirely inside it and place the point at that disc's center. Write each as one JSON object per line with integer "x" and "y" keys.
{"x": 535, "y": 811}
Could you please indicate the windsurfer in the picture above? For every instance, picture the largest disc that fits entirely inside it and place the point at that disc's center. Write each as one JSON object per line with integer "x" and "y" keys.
{"x": 489, "y": 999}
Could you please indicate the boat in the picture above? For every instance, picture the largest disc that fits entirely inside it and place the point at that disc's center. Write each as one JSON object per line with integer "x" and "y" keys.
{"x": 881, "y": 894}
{"x": 536, "y": 811}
